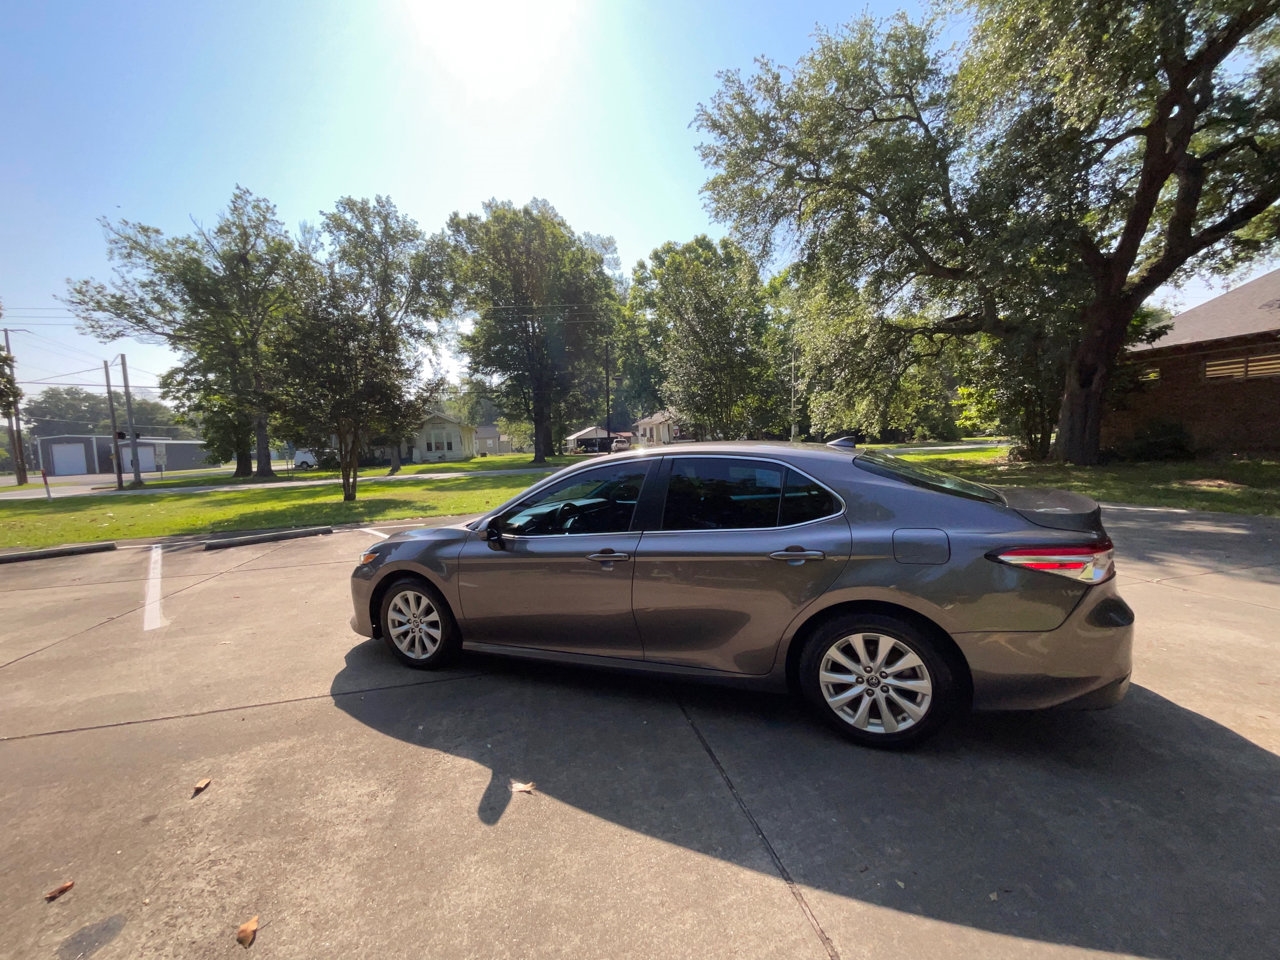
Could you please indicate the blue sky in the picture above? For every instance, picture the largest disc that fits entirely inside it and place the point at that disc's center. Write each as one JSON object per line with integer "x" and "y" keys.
{"x": 154, "y": 111}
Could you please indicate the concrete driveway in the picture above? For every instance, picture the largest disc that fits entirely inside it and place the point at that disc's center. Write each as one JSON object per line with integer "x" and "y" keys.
{"x": 362, "y": 810}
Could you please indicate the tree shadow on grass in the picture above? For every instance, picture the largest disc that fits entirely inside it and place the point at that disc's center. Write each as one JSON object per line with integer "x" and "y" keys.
{"x": 1146, "y": 829}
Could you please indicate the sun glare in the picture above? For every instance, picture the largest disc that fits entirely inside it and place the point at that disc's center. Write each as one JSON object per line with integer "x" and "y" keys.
{"x": 492, "y": 48}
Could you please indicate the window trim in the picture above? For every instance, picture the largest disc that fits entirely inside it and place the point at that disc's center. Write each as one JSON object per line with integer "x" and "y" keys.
{"x": 664, "y": 479}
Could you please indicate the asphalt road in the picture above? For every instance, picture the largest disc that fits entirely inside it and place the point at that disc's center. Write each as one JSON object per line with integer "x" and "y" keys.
{"x": 362, "y": 810}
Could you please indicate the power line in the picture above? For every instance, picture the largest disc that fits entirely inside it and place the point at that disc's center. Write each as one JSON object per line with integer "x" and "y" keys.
{"x": 100, "y": 386}
{"x": 69, "y": 373}
{"x": 60, "y": 346}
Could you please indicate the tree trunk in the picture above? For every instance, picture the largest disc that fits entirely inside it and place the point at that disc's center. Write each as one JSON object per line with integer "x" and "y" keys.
{"x": 541, "y": 427}
{"x": 263, "y": 445}
{"x": 1080, "y": 414}
{"x": 349, "y": 459}
{"x": 395, "y": 459}
{"x": 244, "y": 462}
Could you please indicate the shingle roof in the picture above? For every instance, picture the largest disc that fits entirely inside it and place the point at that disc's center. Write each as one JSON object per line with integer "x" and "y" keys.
{"x": 1253, "y": 307}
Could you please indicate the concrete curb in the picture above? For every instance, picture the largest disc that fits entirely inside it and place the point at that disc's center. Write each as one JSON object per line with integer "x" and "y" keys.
{"x": 266, "y": 537}
{"x": 67, "y": 551}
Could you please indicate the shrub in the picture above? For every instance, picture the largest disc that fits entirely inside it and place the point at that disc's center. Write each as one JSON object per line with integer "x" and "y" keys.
{"x": 1165, "y": 440}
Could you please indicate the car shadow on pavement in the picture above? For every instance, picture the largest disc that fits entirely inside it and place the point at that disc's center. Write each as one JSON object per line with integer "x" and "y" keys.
{"x": 1147, "y": 829}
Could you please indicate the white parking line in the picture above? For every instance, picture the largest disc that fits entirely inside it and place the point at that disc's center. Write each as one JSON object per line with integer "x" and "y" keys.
{"x": 381, "y": 536}
{"x": 152, "y": 617}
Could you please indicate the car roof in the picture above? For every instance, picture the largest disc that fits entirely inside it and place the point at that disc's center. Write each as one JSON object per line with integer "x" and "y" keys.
{"x": 796, "y": 452}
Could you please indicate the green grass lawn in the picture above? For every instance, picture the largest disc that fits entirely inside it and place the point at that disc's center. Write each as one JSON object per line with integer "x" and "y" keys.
{"x": 521, "y": 462}
{"x": 985, "y": 455}
{"x": 1241, "y": 486}
{"x": 42, "y": 523}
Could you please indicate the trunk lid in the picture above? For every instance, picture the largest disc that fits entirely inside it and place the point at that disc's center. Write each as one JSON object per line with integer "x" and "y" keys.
{"x": 1055, "y": 509}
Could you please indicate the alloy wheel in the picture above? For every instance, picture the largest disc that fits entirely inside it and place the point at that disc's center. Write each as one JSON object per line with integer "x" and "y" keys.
{"x": 414, "y": 624}
{"x": 875, "y": 682}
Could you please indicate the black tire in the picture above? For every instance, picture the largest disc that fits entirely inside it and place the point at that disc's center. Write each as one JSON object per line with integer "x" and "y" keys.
{"x": 304, "y": 465}
{"x": 417, "y": 625}
{"x": 895, "y": 707}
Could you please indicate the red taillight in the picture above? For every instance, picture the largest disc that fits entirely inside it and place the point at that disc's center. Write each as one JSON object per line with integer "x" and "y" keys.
{"x": 1090, "y": 563}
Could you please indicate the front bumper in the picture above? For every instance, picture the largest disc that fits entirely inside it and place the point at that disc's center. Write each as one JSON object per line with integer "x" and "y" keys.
{"x": 1085, "y": 663}
{"x": 361, "y": 592}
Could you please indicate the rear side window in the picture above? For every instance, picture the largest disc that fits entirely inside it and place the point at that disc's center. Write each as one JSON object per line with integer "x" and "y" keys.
{"x": 733, "y": 493}
{"x": 722, "y": 493}
{"x": 804, "y": 500}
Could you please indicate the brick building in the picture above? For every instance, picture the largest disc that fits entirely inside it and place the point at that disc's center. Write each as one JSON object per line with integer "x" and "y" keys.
{"x": 1216, "y": 373}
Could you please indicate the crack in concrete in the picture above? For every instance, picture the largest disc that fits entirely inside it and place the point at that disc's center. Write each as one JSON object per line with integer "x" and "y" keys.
{"x": 783, "y": 872}
{"x": 244, "y": 706}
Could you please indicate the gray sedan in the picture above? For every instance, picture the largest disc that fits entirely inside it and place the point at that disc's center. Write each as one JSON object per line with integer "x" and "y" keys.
{"x": 889, "y": 595}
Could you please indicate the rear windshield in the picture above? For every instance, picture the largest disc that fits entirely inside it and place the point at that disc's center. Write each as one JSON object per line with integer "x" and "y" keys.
{"x": 883, "y": 465}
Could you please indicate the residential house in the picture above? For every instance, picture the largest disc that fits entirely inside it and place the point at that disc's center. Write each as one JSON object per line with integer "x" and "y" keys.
{"x": 1216, "y": 374}
{"x": 661, "y": 427}
{"x": 440, "y": 437}
{"x": 490, "y": 442}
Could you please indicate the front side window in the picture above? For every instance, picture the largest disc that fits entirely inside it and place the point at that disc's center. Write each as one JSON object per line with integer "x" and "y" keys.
{"x": 597, "y": 501}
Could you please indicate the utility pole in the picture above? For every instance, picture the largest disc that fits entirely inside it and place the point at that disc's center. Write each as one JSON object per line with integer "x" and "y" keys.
{"x": 15, "y": 420}
{"x": 795, "y": 427}
{"x": 128, "y": 413}
{"x": 115, "y": 430}
{"x": 608, "y": 429}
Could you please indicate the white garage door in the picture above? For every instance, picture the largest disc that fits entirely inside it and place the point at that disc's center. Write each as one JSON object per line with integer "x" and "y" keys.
{"x": 68, "y": 458}
{"x": 147, "y": 459}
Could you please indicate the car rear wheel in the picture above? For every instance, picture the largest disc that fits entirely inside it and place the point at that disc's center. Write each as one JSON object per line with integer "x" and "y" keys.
{"x": 417, "y": 625}
{"x": 877, "y": 680}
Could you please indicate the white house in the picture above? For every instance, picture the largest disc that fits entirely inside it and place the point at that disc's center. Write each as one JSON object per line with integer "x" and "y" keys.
{"x": 662, "y": 427}
{"x": 440, "y": 437}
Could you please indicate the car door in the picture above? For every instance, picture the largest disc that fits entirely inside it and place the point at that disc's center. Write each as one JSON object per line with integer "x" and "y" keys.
{"x": 743, "y": 545}
{"x": 562, "y": 580}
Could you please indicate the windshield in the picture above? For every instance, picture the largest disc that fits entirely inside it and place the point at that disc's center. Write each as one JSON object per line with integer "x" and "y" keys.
{"x": 883, "y": 465}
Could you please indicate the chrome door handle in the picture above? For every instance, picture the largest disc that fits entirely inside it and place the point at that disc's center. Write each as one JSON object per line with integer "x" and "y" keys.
{"x": 796, "y": 557}
{"x": 608, "y": 556}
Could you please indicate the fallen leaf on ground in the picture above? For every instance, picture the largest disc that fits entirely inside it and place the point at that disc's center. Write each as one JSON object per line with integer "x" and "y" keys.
{"x": 993, "y": 895}
{"x": 901, "y": 884}
{"x": 200, "y": 787}
{"x": 59, "y": 890}
{"x": 518, "y": 787}
{"x": 248, "y": 930}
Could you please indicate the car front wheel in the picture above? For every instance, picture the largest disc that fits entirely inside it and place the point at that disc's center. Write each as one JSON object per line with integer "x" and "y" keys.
{"x": 877, "y": 680}
{"x": 417, "y": 625}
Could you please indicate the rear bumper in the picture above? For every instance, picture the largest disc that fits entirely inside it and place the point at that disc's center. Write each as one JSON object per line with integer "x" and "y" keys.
{"x": 1085, "y": 663}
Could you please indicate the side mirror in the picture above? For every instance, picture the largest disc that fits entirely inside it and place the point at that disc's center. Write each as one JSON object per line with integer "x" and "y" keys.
{"x": 493, "y": 535}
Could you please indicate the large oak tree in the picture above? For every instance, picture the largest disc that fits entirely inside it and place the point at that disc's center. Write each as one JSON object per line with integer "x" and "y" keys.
{"x": 1078, "y": 155}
